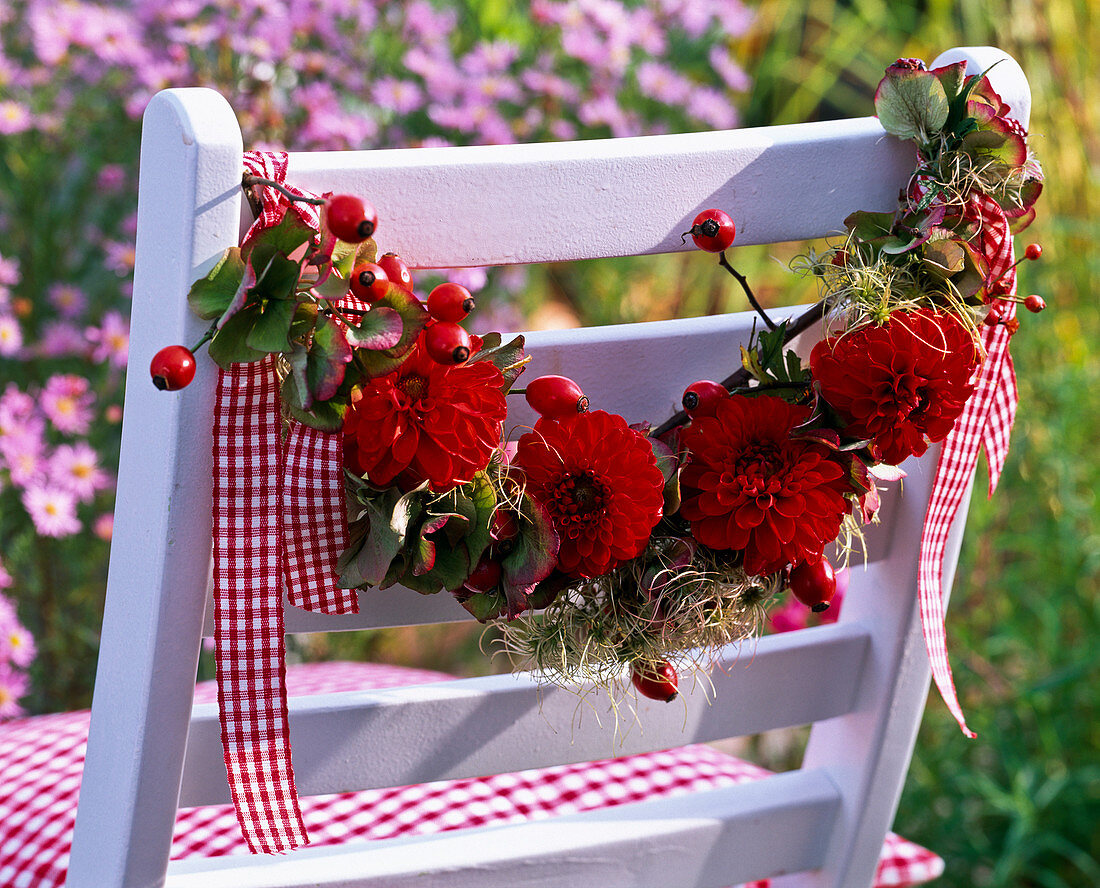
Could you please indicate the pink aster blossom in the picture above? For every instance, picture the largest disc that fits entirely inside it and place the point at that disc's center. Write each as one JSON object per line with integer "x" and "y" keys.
{"x": 60, "y": 339}
{"x": 119, "y": 257}
{"x": 726, "y": 68}
{"x": 11, "y": 335}
{"x": 22, "y": 453}
{"x": 53, "y": 511}
{"x": 663, "y": 83}
{"x": 16, "y": 643}
{"x": 399, "y": 96}
{"x": 104, "y": 526}
{"x": 68, "y": 299}
{"x": 712, "y": 107}
{"x": 13, "y": 685}
{"x": 67, "y": 403}
{"x": 75, "y": 468}
{"x": 110, "y": 340}
{"x": 9, "y": 272}
{"x": 14, "y": 118}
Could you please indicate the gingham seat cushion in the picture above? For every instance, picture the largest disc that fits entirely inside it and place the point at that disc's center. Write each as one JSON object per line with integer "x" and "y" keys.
{"x": 41, "y": 760}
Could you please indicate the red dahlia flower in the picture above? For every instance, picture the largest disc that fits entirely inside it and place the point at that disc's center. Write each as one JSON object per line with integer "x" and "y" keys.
{"x": 426, "y": 421}
{"x": 903, "y": 383}
{"x": 599, "y": 481}
{"x": 750, "y": 487}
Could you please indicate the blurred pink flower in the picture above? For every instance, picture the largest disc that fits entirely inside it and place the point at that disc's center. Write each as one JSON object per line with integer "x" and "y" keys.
{"x": 11, "y": 335}
{"x": 53, "y": 511}
{"x": 9, "y": 272}
{"x": 661, "y": 82}
{"x": 67, "y": 403}
{"x": 726, "y": 68}
{"x": 111, "y": 177}
{"x": 60, "y": 339}
{"x": 75, "y": 468}
{"x": 712, "y": 107}
{"x": 68, "y": 299}
{"x": 5, "y": 578}
{"x": 104, "y": 526}
{"x": 14, "y": 118}
{"x": 16, "y": 644}
{"x": 399, "y": 96}
{"x": 13, "y": 685}
{"x": 22, "y": 452}
{"x": 110, "y": 340}
{"x": 119, "y": 257}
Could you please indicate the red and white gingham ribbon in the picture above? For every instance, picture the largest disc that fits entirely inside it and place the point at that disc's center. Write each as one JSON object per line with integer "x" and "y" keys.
{"x": 986, "y": 422}
{"x": 279, "y": 523}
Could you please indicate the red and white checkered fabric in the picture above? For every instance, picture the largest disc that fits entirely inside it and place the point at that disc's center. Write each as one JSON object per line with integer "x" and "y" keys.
{"x": 986, "y": 421}
{"x": 272, "y": 165}
{"x": 41, "y": 760}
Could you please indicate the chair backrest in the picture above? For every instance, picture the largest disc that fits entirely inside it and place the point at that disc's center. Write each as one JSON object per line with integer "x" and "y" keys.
{"x": 862, "y": 681}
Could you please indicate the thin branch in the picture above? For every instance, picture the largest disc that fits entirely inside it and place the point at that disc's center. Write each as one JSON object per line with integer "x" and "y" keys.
{"x": 740, "y": 278}
{"x": 248, "y": 181}
{"x": 740, "y": 378}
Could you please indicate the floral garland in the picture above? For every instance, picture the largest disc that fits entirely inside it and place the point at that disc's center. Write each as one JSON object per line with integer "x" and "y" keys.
{"x": 593, "y": 543}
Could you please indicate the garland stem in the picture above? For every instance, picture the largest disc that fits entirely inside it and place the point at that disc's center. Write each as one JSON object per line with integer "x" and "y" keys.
{"x": 743, "y": 281}
{"x": 248, "y": 181}
{"x": 740, "y": 378}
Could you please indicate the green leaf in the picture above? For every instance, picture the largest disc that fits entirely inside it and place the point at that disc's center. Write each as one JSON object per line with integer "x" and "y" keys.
{"x": 870, "y": 227}
{"x": 378, "y": 540}
{"x": 328, "y": 416}
{"x": 230, "y": 344}
{"x": 510, "y": 359}
{"x": 484, "y": 606}
{"x": 378, "y": 329}
{"x": 943, "y": 257}
{"x": 533, "y": 557}
{"x": 211, "y": 296}
{"x": 271, "y": 331}
{"x": 328, "y": 356}
{"x": 288, "y": 235}
{"x": 277, "y": 278}
{"x": 911, "y": 104}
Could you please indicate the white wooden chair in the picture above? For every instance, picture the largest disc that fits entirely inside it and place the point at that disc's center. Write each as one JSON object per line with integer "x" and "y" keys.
{"x": 862, "y": 681}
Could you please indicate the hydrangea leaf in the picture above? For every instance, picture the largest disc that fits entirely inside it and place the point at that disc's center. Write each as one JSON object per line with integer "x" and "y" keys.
{"x": 414, "y": 316}
{"x": 510, "y": 359}
{"x": 484, "y": 606}
{"x": 378, "y": 329}
{"x": 911, "y": 104}
{"x": 211, "y": 296}
{"x": 377, "y": 536}
{"x": 328, "y": 356}
{"x": 230, "y": 344}
{"x": 533, "y": 557}
{"x": 271, "y": 331}
{"x": 287, "y": 236}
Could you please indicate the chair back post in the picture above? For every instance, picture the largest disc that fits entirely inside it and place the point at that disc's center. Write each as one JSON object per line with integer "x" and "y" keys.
{"x": 867, "y": 751}
{"x": 188, "y": 213}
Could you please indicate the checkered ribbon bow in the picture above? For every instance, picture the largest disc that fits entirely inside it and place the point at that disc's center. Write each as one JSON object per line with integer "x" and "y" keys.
{"x": 986, "y": 422}
{"x": 279, "y": 523}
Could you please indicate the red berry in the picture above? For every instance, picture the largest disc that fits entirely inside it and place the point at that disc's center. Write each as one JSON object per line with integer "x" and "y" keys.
{"x": 556, "y": 397}
{"x": 713, "y": 231}
{"x": 485, "y": 576}
{"x": 350, "y": 218}
{"x": 369, "y": 282}
{"x": 172, "y": 368}
{"x": 396, "y": 270}
{"x": 450, "y": 302}
{"x": 1034, "y": 303}
{"x": 701, "y": 398}
{"x": 814, "y": 583}
{"x": 657, "y": 681}
{"x": 1033, "y": 251}
{"x": 447, "y": 343}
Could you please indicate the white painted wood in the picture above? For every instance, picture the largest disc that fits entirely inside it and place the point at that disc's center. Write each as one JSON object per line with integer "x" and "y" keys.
{"x": 507, "y": 723}
{"x": 188, "y": 209}
{"x": 507, "y": 204}
{"x": 465, "y": 207}
{"x": 710, "y": 839}
{"x": 868, "y": 751}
